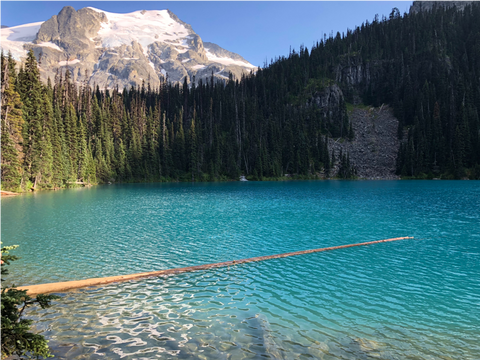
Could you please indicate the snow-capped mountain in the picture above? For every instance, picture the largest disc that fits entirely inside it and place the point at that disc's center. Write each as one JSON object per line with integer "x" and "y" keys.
{"x": 110, "y": 49}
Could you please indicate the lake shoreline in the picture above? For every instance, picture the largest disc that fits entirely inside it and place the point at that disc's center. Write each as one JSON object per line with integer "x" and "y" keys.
{"x": 248, "y": 179}
{"x": 8, "y": 193}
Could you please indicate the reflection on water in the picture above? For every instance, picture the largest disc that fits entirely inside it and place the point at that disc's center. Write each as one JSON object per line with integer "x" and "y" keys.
{"x": 278, "y": 309}
{"x": 412, "y": 299}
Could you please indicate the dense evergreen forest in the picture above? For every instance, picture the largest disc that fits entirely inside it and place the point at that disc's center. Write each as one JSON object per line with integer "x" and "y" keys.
{"x": 266, "y": 124}
{"x": 430, "y": 72}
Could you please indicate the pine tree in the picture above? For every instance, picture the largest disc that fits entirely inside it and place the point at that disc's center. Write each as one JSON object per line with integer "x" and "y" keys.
{"x": 193, "y": 147}
{"x": 30, "y": 92}
{"x": 43, "y": 178}
{"x": 11, "y": 127}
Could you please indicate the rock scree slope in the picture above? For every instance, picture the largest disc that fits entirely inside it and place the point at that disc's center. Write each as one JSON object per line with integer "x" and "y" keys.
{"x": 374, "y": 149}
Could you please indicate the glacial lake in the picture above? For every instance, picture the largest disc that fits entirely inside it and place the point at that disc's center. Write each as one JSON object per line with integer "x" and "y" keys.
{"x": 410, "y": 299}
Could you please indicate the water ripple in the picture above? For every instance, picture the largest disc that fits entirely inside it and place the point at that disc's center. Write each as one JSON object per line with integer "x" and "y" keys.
{"x": 415, "y": 299}
{"x": 244, "y": 311}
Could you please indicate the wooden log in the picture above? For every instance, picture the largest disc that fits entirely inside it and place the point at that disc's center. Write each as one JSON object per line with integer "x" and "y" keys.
{"x": 8, "y": 193}
{"x": 69, "y": 285}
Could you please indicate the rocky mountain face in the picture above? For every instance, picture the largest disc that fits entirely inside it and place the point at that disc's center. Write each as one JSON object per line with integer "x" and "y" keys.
{"x": 374, "y": 149}
{"x": 110, "y": 49}
{"x": 329, "y": 101}
{"x": 419, "y": 6}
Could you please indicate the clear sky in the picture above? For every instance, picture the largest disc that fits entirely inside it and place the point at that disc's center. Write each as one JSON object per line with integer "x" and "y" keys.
{"x": 257, "y": 30}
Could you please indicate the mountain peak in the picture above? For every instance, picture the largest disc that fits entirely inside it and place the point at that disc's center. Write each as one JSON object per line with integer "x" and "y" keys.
{"x": 122, "y": 49}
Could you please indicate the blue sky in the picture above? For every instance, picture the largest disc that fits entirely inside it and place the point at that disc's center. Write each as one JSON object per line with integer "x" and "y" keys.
{"x": 257, "y": 30}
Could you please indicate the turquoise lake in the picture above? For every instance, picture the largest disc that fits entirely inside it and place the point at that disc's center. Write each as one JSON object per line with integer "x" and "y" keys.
{"x": 410, "y": 299}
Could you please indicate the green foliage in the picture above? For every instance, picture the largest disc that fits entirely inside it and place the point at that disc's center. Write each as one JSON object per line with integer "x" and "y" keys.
{"x": 215, "y": 131}
{"x": 425, "y": 65}
{"x": 264, "y": 125}
{"x": 16, "y": 336}
{"x": 11, "y": 127}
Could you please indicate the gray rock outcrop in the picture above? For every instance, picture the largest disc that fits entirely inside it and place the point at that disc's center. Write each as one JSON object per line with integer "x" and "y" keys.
{"x": 354, "y": 74}
{"x": 419, "y": 6}
{"x": 329, "y": 101}
{"x": 221, "y": 52}
{"x": 72, "y": 30}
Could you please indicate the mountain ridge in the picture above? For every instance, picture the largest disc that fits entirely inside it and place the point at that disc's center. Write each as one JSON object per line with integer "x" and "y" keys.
{"x": 423, "y": 5}
{"x": 122, "y": 50}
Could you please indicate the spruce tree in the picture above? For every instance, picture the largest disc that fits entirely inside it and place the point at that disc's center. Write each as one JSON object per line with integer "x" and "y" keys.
{"x": 11, "y": 127}
{"x": 31, "y": 95}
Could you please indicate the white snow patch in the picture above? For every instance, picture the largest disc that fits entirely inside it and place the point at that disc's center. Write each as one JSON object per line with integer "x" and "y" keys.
{"x": 198, "y": 67}
{"x": 13, "y": 38}
{"x": 186, "y": 60}
{"x": 222, "y": 76}
{"x": 145, "y": 27}
{"x": 71, "y": 62}
{"x": 164, "y": 73}
{"x": 50, "y": 45}
{"x": 228, "y": 61}
{"x": 127, "y": 58}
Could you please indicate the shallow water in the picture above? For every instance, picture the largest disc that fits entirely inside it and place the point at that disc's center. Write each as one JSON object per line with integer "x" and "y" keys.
{"x": 415, "y": 299}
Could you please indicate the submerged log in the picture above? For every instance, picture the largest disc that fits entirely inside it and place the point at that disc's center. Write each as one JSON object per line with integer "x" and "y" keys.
{"x": 69, "y": 285}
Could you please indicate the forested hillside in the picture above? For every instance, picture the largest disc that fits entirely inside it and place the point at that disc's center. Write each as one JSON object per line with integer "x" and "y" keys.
{"x": 55, "y": 134}
{"x": 426, "y": 65}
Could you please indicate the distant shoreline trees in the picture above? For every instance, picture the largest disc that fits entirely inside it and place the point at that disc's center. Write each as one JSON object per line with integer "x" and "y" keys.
{"x": 426, "y": 65}
{"x": 58, "y": 134}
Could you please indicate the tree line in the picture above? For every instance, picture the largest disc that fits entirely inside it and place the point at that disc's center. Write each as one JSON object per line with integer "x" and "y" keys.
{"x": 427, "y": 66}
{"x": 264, "y": 125}
{"x": 58, "y": 134}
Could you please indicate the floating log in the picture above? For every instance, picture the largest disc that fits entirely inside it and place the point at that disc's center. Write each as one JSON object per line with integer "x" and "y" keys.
{"x": 8, "y": 193}
{"x": 69, "y": 285}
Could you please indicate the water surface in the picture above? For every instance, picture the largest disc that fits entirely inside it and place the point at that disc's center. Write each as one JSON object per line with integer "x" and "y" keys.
{"x": 415, "y": 299}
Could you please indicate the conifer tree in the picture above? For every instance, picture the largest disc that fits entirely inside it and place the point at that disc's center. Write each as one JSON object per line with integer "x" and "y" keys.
{"x": 11, "y": 127}
{"x": 30, "y": 92}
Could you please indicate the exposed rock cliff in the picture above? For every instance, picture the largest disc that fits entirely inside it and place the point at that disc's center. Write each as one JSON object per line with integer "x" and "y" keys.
{"x": 330, "y": 102}
{"x": 356, "y": 76}
{"x": 419, "y": 6}
{"x": 123, "y": 50}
